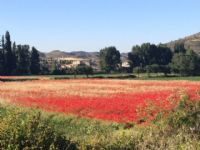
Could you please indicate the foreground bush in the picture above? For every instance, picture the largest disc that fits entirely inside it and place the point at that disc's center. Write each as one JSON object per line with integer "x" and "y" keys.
{"x": 20, "y": 129}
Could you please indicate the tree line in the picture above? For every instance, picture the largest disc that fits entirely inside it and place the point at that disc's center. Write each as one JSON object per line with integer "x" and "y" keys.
{"x": 25, "y": 60}
{"x": 151, "y": 58}
{"x": 18, "y": 59}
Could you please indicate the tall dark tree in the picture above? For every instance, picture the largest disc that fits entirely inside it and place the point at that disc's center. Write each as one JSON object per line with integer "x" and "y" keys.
{"x": 14, "y": 48}
{"x": 23, "y": 59}
{"x": 2, "y": 56}
{"x": 135, "y": 57}
{"x": 110, "y": 59}
{"x": 14, "y": 57}
{"x": 143, "y": 55}
{"x": 3, "y": 65}
{"x": 8, "y": 54}
{"x": 35, "y": 61}
{"x": 147, "y": 49}
{"x": 164, "y": 55}
{"x": 3, "y": 42}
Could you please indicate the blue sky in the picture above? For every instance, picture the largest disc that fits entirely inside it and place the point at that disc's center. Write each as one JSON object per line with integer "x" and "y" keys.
{"x": 89, "y": 25}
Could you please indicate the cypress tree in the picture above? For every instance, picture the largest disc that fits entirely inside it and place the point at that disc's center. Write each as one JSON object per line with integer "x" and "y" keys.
{"x": 8, "y": 55}
{"x": 14, "y": 57}
{"x": 1, "y": 57}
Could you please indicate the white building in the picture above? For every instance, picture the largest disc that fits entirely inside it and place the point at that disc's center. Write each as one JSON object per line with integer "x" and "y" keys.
{"x": 66, "y": 62}
{"x": 125, "y": 64}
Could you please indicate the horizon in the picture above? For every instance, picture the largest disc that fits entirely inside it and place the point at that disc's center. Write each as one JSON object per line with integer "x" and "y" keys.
{"x": 90, "y": 26}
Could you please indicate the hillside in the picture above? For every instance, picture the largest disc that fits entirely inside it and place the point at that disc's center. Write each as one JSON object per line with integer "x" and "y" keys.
{"x": 80, "y": 54}
{"x": 192, "y": 42}
{"x": 76, "y": 54}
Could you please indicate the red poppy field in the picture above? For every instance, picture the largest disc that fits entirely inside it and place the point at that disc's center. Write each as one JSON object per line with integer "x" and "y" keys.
{"x": 112, "y": 100}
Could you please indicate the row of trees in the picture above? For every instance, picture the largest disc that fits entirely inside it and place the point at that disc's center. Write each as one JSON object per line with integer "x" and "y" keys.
{"x": 18, "y": 59}
{"x": 23, "y": 60}
{"x": 150, "y": 58}
{"x": 81, "y": 69}
{"x": 153, "y": 58}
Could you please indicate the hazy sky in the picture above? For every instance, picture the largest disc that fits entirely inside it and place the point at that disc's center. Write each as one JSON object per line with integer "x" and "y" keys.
{"x": 89, "y": 25}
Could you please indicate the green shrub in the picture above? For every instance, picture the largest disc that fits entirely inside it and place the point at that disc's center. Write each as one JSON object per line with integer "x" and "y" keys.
{"x": 179, "y": 130}
{"x": 28, "y": 130}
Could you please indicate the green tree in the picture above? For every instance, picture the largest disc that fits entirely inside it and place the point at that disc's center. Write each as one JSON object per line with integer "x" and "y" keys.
{"x": 14, "y": 57}
{"x": 110, "y": 59}
{"x": 1, "y": 58}
{"x": 1, "y": 63}
{"x": 3, "y": 51}
{"x": 154, "y": 68}
{"x": 3, "y": 42}
{"x": 35, "y": 61}
{"x": 149, "y": 54}
{"x": 135, "y": 56}
{"x": 165, "y": 69}
{"x": 163, "y": 55}
{"x": 56, "y": 68}
{"x": 185, "y": 63}
{"x": 23, "y": 59}
{"x": 194, "y": 62}
{"x": 9, "y": 65}
{"x": 44, "y": 69}
{"x": 84, "y": 69}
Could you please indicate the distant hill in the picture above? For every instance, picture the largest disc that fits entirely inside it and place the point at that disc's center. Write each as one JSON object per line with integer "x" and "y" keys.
{"x": 79, "y": 54}
{"x": 192, "y": 42}
{"x": 76, "y": 54}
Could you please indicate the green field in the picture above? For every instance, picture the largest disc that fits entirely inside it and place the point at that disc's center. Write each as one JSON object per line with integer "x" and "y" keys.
{"x": 143, "y": 76}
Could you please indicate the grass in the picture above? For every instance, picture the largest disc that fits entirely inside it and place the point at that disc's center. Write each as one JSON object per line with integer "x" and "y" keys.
{"x": 131, "y": 76}
{"x": 18, "y": 79}
{"x": 172, "y": 77}
{"x": 101, "y": 76}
